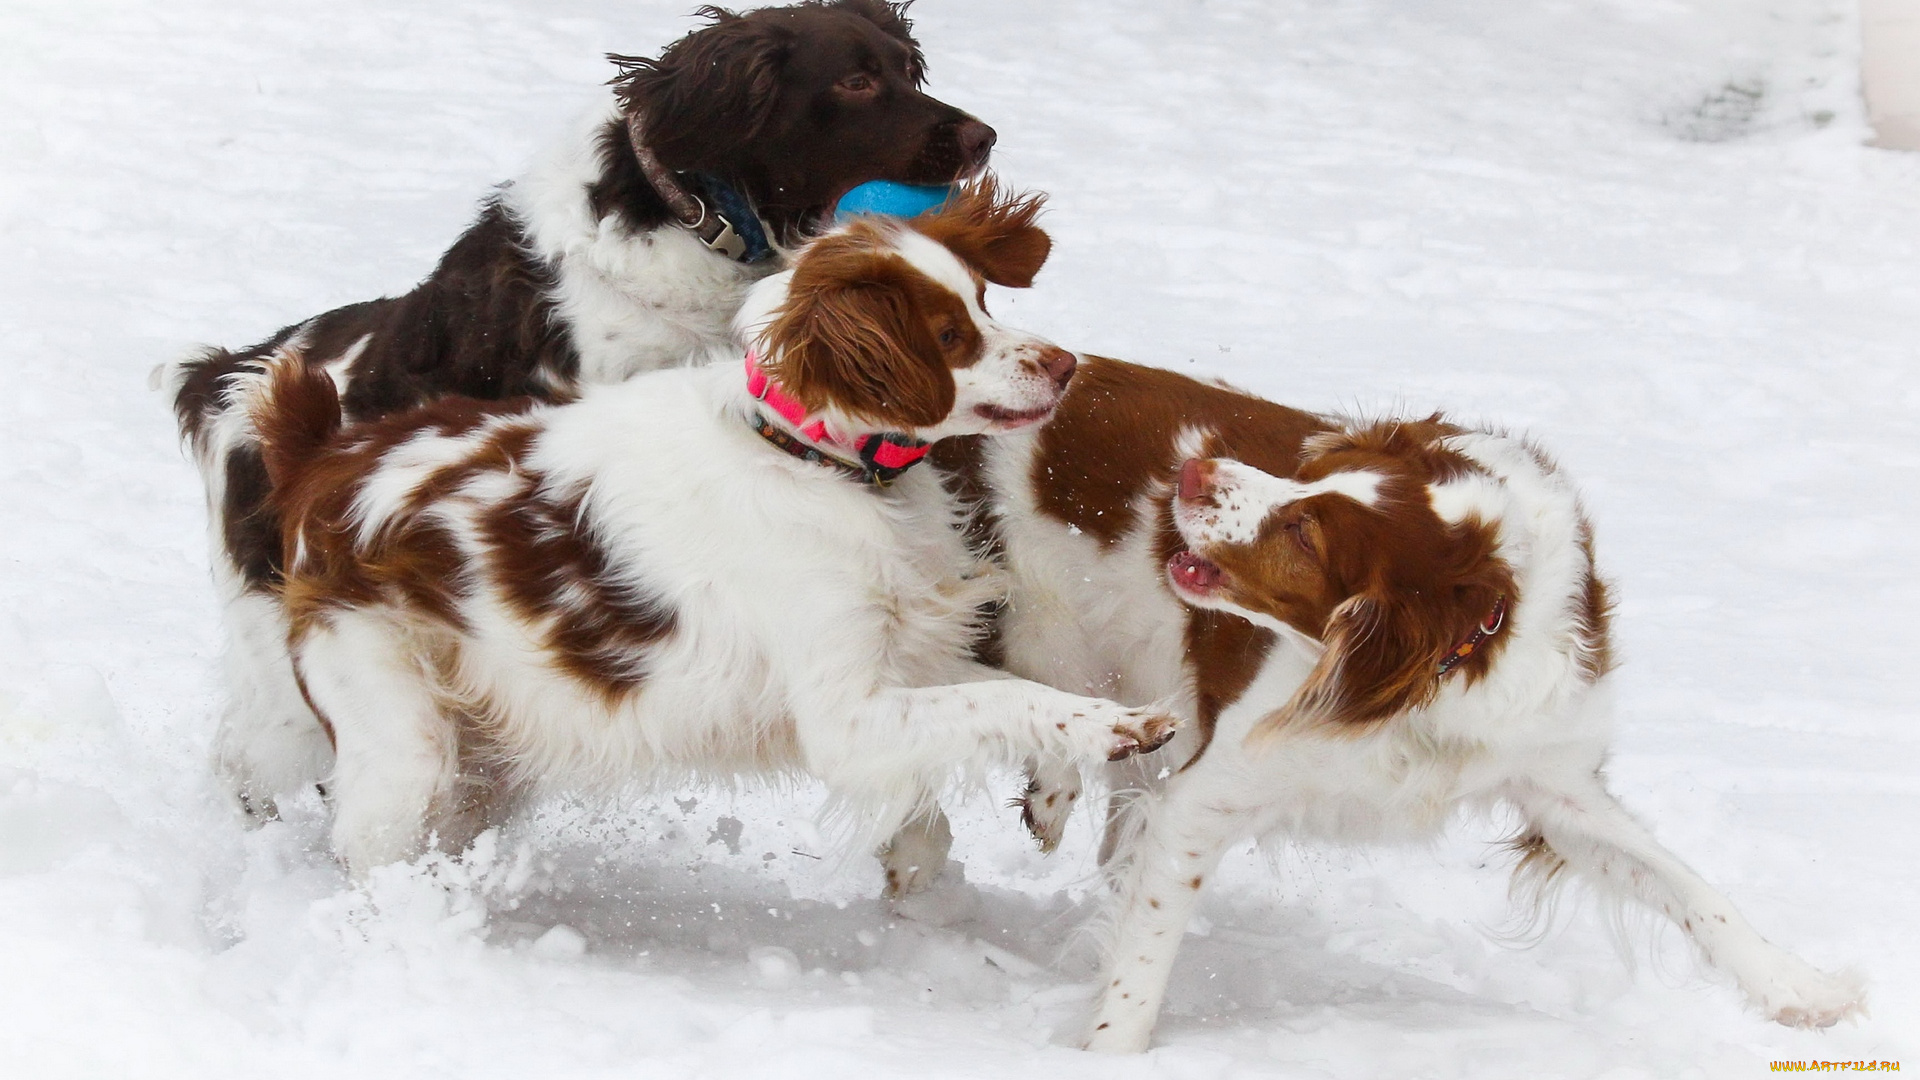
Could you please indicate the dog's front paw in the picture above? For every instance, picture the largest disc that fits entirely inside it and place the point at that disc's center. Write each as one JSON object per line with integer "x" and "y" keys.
{"x": 1811, "y": 998}
{"x": 1142, "y": 732}
{"x": 1048, "y": 801}
{"x": 1104, "y": 731}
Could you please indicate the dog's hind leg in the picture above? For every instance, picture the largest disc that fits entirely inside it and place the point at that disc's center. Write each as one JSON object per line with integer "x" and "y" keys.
{"x": 917, "y": 853}
{"x": 269, "y": 743}
{"x": 396, "y": 768}
{"x": 1579, "y": 826}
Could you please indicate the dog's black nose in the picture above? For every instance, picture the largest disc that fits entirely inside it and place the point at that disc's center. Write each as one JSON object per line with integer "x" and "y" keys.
{"x": 976, "y": 142}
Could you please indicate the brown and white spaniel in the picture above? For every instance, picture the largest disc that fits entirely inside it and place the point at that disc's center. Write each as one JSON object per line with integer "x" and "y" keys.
{"x": 1370, "y": 625}
{"x": 729, "y": 569}
{"x": 593, "y": 266}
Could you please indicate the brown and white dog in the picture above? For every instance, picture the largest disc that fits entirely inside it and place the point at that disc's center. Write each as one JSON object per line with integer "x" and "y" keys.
{"x": 578, "y": 273}
{"x": 723, "y": 570}
{"x": 1371, "y": 626}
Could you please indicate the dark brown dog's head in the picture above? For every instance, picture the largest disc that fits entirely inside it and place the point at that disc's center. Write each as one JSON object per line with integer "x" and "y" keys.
{"x": 797, "y": 105}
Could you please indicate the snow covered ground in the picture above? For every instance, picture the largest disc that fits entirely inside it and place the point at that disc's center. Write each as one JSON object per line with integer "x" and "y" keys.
{"x": 1646, "y": 230}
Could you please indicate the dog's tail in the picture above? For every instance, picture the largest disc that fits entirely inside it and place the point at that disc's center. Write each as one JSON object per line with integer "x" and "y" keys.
{"x": 296, "y": 410}
{"x": 205, "y": 388}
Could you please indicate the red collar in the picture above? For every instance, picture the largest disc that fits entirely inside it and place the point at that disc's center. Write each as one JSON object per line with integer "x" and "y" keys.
{"x": 1488, "y": 627}
{"x": 876, "y": 459}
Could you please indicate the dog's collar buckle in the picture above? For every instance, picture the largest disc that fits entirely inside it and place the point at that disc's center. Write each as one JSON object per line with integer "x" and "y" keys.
{"x": 726, "y": 241}
{"x": 711, "y": 227}
{"x": 1488, "y": 627}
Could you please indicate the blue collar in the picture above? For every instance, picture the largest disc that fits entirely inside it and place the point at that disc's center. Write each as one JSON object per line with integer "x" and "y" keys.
{"x": 724, "y": 220}
{"x": 732, "y": 207}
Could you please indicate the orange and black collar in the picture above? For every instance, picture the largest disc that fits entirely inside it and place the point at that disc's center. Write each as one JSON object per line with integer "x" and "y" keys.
{"x": 1488, "y": 627}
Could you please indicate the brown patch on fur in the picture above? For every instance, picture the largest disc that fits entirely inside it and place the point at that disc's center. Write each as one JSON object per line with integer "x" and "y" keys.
{"x": 249, "y": 528}
{"x": 962, "y": 473}
{"x": 544, "y": 558}
{"x": 484, "y": 325}
{"x": 1224, "y": 653}
{"x": 1592, "y": 626}
{"x": 860, "y": 330}
{"x": 1112, "y": 440}
{"x": 316, "y": 474}
{"x": 541, "y": 554}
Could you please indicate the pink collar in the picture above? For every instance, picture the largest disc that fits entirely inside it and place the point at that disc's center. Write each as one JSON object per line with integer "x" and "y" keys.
{"x": 878, "y": 458}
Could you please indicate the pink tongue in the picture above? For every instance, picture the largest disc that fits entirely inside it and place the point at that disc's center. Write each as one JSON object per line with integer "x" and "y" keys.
{"x": 1193, "y": 571}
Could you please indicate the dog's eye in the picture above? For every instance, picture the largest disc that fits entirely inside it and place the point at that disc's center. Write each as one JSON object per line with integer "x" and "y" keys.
{"x": 1297, "y": 532}
{"x": 948, "y": 337}
{"x": 857, "y": 84}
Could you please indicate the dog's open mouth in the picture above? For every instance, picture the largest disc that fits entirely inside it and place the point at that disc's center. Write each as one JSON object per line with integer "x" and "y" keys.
{"x": 1192, "y": 574}
{"x": 1008, "y": 419}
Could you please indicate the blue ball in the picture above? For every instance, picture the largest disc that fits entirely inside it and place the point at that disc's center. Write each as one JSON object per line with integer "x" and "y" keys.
{"x": 891, "y": 198}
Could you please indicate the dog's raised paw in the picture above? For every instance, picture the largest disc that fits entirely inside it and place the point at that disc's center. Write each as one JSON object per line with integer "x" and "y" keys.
{"x": 1146, "y": 730}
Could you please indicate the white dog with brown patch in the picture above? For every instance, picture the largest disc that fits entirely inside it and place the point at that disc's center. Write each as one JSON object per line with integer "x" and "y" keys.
{"x": 723, "y": 570}
{"x": 1372, "y": 625}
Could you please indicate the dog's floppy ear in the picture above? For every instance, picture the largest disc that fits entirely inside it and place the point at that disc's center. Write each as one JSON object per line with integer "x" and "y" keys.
{"x": 851, "y": 336}
{"x": 892, "y": 20}
{"x": 991, "y": 232}
{"x": 1383, "y": 654}
{"x": 713, "y": 89}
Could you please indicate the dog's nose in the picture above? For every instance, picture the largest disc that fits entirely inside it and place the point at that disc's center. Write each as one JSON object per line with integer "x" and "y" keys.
{"x": 1059, "y": 365}
{"x": 976, "y": 142}
{"x": 1195, "y": 475}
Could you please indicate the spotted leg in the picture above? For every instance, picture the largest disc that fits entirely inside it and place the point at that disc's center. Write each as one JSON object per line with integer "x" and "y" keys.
{"x": 1159, "y": 884}
{"x": 1581, "y": 824}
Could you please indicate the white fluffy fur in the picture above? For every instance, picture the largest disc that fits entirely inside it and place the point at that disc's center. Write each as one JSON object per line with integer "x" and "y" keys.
{"x": 634, "y": 301}
{"x": 822, "y": 626}
{"x": 1533, "y": 733}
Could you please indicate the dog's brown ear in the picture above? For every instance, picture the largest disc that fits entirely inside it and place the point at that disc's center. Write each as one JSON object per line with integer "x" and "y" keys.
{"x": 296, "y": 412}
{"x": 892, "y": 21}
{"x": 993, "y": 233}
{"x": 1383, "y": 654}
{"x": 851, "y": 335}
{"x": 709, "y": 93}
